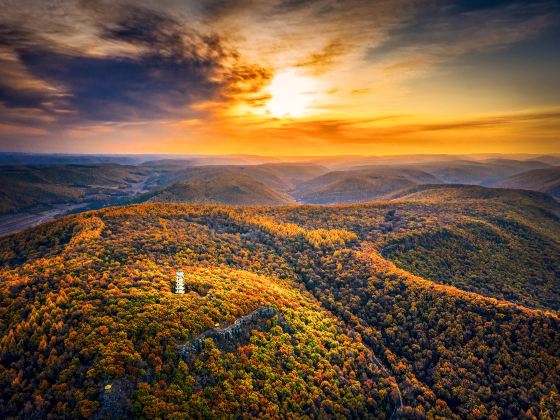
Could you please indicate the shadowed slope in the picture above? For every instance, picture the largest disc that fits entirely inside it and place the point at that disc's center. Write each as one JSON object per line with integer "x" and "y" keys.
{"x": 359, "y": 185}
{"x": 39, "y": 186}
{"x": 543, "y": 180}
{"x": 226, "y": 189}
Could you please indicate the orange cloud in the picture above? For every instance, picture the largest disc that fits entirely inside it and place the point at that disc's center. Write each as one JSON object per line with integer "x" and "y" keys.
{"x": 10, "y": 129}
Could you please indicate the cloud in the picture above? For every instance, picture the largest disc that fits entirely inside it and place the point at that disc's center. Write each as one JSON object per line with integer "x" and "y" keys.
{"x": 23, "y": 95}
{"x": 76, "y": 64}
{"x": 451, "y": 33}
{"x": 324, "y": 59}
{"x": 171, "y": 67}
{"x": 390, "y": 128}
{"x": 497, "y": 121}
{"x": 147, "y": 28}
{"x": 215, "y": 9}
{"x": 16, "y": 130}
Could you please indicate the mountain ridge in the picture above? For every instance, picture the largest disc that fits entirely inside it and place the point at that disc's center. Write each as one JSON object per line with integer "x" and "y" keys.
{"x": 112, "y": 272}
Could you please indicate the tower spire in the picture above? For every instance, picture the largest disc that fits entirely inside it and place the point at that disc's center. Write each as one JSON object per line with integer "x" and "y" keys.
{"x": 180, "y": 282}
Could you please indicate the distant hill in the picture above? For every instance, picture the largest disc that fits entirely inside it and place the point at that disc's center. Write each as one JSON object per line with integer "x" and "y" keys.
{"x": 357, "y": 186}
{"x": 10, "y": 158}
{"x": 484, "y": 172}
{"x": 33, "y": 193}
{"x": 457, "y": 192}
{"x": 278, "y": 176}
{"x": 219, "y": 189}
{"x": 543, "y": 180}
{"x": 553, "y": 160}
{"x": 25, "y": 187}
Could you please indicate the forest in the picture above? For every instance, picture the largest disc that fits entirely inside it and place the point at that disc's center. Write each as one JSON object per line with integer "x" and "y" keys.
{"x": 279, "y": 209}
{"x": 442, "y": 304}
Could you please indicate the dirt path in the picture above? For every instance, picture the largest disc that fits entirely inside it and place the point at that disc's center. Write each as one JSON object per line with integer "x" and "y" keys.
{"x": 399, "y": 406}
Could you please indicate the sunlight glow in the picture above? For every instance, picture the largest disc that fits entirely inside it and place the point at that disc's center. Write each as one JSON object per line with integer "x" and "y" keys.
{"x": 291, "y": 94}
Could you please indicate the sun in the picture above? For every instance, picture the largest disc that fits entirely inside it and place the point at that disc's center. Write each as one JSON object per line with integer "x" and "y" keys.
{"x": 290, "y": 94}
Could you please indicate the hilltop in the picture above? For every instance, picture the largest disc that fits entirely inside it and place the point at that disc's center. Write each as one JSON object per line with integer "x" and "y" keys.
{"x": 354, "y": 310}
{"x": 355, "y": 186}
{"x": 485, "y": 172}
{"x": 226, "y": 189}
{"x": 25, "y": 187}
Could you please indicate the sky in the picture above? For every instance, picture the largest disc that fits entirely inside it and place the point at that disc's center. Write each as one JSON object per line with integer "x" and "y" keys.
{"x": 280, "y": 77}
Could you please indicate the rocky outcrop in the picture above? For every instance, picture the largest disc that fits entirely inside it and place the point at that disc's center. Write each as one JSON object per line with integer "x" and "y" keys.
{"x": 228, "y": 338}
{"x": 115, "y": 400}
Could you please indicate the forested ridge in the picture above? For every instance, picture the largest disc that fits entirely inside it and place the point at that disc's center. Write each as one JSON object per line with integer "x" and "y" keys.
{"x": 90, "y": 326}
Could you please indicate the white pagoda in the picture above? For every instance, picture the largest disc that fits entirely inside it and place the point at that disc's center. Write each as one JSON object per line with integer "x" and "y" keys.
{"x": 180, "y": 282}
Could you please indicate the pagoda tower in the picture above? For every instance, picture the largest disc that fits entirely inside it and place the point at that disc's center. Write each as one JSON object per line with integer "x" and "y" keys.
{"x": 180, "y": 282}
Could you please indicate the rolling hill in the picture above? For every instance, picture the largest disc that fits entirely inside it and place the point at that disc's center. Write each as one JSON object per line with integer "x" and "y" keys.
{"x": 266, "y": 184}
{"x": 289, "y": 311}
{"x": 280, "y": 177}
{"x": 24, "y": 187}
{"x": 358, "y": 186}
{"x": 31, "y": 194}
{"x": 485, "y": 172}
{"x": 543, "y": 180}
{"x": 218, "y": 189}
{"x": 455, "y": 192}
{"x": 500, "y": 253}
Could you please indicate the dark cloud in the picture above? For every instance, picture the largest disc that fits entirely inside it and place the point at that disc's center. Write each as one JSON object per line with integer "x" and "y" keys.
{"x": 16, "y": 97}
{"x": 221, "y": 8}
{"x": 171, "y": 68}
{"x": 290, "y": 5}
{"x": 146, "y": 27}
{"x": 463, "y": 27}
{"x": 109, "y": 89}
{"x": 18, "y": 90}
{"x": 10, "y": 36}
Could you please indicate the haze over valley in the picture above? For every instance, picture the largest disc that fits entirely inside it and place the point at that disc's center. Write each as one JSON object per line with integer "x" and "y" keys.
{"x": 33, "y": 192}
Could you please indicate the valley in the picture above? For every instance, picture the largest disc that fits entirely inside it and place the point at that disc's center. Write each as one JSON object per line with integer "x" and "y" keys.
{"x": 11, "y": 223}
{"x": 33, "y": 193}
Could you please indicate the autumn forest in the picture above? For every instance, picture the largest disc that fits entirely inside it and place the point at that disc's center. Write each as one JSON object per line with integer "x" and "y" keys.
{"x": 443, "y": 304}
{"x": 279, "y": 209}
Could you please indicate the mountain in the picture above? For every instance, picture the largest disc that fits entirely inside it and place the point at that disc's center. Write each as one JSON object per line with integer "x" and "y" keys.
{"x": 266, "y": 184}
{"x": 553, "y": 160}
{"x": 34, "y": 193}
{"x": 278, "y": 176}
{"x": 12, "y": 158}
{"x": 457, "y": 192}
{"x": 361, "y": 185}
{"x": 381, "y": 181}
{"x": 418, "y": 307}
{"x": 543, "y": 180}
{"x": 225, "y": 189}
{"x": 25, "y": 187}
{"x": 484, "y": 172}
{"x": 500, "y": 253}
